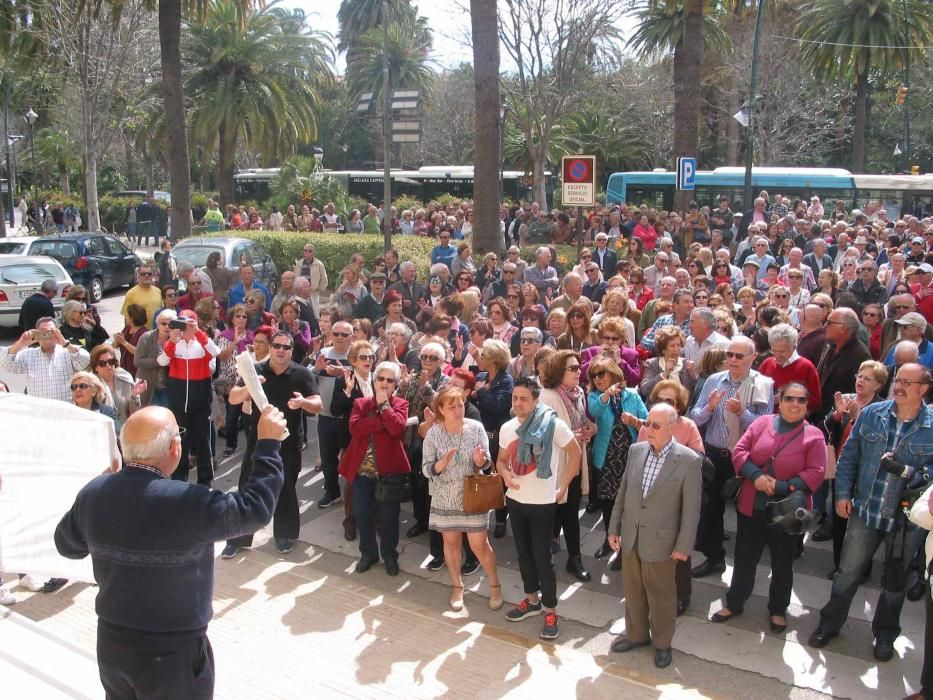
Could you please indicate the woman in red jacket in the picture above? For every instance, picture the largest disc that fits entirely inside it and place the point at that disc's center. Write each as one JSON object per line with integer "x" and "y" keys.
{"x": 377, "y": 424}
{"x": 777, "y": 455}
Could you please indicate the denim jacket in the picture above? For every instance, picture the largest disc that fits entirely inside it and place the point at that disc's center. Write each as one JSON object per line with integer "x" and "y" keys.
{"x": 859, "y": 476}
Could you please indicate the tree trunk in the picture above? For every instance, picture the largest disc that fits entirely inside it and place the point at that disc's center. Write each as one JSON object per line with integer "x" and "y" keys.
{"x": 90, "y": 188}
{"x": 225, "y": 164}
{"x": 130, "y": 163}
{"x": 174, "y": 106}
{"x": 861, "y": 119}
{"x": 688, "y": 55}
{"x": 488, "y": 127}
{"x": 538, "y": 166}
{"x": 149, "y": 174}
{"x": 63, "y": 183}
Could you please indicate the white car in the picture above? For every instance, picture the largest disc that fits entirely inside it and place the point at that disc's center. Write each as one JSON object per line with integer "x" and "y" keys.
{"x": 20, "y": 278}
{"x": 18, "y": 245}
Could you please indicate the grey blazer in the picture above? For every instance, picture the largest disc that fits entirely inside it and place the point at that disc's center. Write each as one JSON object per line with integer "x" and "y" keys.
{"x": 666, "y": 520}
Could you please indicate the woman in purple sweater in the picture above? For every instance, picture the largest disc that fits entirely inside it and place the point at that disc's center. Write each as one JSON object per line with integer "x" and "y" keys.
{"x": 798, "y": 450}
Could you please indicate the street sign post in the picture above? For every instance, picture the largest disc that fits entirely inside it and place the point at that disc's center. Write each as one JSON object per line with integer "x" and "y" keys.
{"x": 686, "y": 173}
{"x": 578, "y": 185}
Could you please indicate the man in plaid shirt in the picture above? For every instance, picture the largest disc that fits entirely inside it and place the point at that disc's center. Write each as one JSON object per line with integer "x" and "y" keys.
{"x": 890, "y": 450}
{"x": 49, "y": 366}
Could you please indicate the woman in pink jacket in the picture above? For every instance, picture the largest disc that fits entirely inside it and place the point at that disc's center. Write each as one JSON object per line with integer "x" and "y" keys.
{"x": 777, "y": 455}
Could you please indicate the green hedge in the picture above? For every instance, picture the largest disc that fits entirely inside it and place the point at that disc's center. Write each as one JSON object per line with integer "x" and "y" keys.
{"x": 334, "y": 250}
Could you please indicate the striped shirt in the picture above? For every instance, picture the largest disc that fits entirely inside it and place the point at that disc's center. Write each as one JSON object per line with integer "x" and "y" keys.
{"x": 48, "y": 377}
{"x": 653, "y": 466}
{"x": 648, "y": 343}
{"x": 717, "y": 431}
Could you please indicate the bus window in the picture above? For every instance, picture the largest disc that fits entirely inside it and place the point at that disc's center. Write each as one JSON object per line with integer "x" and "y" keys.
{"x": 657, "y": 197}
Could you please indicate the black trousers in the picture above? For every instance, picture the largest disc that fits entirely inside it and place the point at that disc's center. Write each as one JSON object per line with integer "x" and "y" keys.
{"x": 532, "y": 529}
{"x": 568, "y": 517}
{"x": 190, "y": 402}
{"x": 328, "y": 435}
{"x": 753, "y": 533}
{"x": 710, "y": 530}
{"x": 136, "y": 664}
{"x": 246, "y": 468}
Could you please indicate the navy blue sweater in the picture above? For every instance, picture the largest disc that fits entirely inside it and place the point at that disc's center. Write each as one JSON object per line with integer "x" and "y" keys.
{"x": 151, "y": 540}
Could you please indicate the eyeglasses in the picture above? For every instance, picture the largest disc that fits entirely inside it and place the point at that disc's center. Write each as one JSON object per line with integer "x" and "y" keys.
{"x": 781, "y": 296}
{"x": 281, "y": 346}
{"x": 250, "y": 301}
{"x": 170, "y": 296}
{"x": 365, "y": 356}
{"x": 388, "y": 380}
{"x": 338, "y": 334}
{"x": 848, "y": 264}
{"x": 795, "y": 277}
{"x": 572, "y": 368}
{"x": 528, "y": 341}
{"x": 701, "y": 297}
{"x": 611, "y": 338}
{"x": 240, "y": 316}
{"x": 145, "y": 274}
{"x": 669, "y": 402}
{"x": 655, "y": 425}
{"x": 907, "y": 382}
{"x": 575, "y": 316}
{"x": 586, "y": 257}
{"x": 736, "y": 355}
{"x": 822, "y": 305}
{"x": 508, "y": 272}
{"x": 802, "y": 400}
{"x": 512, "y": 296}
{"x": 870, "y": 314}
{"x": 430, "y": 358}
{"x": 107, "y": 363}
{"x": 600, "y": 374}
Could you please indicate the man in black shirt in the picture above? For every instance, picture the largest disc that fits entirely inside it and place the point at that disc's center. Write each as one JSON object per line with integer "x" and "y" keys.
{"x": 292, "y": 389}
{"x": 39, "y": 305}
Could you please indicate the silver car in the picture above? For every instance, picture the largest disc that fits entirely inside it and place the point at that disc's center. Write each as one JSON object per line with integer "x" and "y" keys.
{"x": 233, "y": 252}
{"x": 20, "y": 278}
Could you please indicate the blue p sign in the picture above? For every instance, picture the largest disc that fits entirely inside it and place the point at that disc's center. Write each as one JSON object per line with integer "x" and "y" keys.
{"x": 686, "y": 173}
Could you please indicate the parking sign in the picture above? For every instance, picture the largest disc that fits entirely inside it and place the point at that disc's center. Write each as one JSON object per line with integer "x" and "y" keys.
{"x": 578, "y": 185}
{"x": 686, "y": 173}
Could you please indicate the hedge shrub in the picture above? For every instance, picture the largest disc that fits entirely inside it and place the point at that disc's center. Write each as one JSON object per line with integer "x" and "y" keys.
{"x": 335, "y": 249}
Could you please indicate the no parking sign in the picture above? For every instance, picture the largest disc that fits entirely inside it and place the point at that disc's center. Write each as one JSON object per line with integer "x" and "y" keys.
{"x": 578, "y": 184}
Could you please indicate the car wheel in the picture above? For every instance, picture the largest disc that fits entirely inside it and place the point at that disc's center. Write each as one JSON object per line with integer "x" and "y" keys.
{"x": 97, "y": 290}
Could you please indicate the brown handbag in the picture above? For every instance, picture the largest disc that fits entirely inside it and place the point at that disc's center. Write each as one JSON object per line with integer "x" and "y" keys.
{"x": 482, "y": 493}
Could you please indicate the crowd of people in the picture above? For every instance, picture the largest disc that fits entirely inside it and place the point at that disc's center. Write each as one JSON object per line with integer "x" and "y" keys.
{"x": 777, "y": 358}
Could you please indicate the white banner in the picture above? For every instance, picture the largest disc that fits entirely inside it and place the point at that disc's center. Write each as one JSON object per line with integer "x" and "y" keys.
{"x": 51, "y": 449}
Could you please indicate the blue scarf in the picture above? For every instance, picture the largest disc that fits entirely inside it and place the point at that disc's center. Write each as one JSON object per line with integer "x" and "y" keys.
{"x": 536, "y": 439}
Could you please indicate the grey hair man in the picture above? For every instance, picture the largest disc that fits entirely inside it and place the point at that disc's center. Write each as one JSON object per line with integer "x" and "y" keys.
{"x": 38, "y": 305}
{"x": 703, "y": 336}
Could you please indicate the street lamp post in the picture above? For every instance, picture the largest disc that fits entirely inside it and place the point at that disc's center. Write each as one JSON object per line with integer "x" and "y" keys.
{"x": 750, "y": 128}
{"x": 386, "y": 133}
{"x": 30, "y": 118}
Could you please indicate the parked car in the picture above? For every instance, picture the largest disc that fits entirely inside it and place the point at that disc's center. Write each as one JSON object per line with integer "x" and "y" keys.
{"x": 20, "y": 245}
{"x": 95, "y": 260}
{"x": 233, "y": 251}
{"x": 20, "y": 278}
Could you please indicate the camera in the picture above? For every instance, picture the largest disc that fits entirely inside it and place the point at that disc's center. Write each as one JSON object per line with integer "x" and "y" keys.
{"x": 42, "y": 335}
{"x": 177, "y": 324}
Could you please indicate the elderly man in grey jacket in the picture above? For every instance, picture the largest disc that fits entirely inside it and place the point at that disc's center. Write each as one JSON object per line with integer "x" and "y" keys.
{"x": 654, "y": 523}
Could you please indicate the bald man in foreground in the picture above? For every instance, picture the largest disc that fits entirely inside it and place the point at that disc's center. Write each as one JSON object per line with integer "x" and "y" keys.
{"x": 151, "y": 540}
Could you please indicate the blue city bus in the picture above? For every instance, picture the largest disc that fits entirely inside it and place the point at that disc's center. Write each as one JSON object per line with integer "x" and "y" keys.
{"x": 897, "y": 194}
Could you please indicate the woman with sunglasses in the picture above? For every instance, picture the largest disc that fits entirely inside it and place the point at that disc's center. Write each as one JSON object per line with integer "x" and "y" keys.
{"x": 88, "y": 392}
{"x": 617, "y": 411}
{"x": 616, "y": 305}
{"x": 777, "y": 455}
{"x": 256, "y": 315}
{"x": 563, "y": 393}
{"x": 489, "y": 272}
{"x": 721, "y": 274}
{"x": 121, "y": 391}
{"x": 872, "y": 318}
{"x": 669, "y": 363}
{"x": 300, "y": 331}
{"x": 578, "y": 335}
{"x": 586, "y": 255}
{"x": 501, "y": 316}
{"x": 235, "y": 339}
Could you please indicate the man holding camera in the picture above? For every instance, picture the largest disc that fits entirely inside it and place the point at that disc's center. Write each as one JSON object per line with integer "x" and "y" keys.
{"x": 189, "y": 355}
{"x": 889, "y": 453}
{"x": 50, "y": 365}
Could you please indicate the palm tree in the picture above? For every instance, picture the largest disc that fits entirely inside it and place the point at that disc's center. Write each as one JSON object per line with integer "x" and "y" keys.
{"x": 849, "y": 40}
{"x": 409, "y": 66}
{"x": 683, "y": 28}
{"x": 488, "y": 126}
{"x": 253, "y": 75}
{"x": 356, "y": 17}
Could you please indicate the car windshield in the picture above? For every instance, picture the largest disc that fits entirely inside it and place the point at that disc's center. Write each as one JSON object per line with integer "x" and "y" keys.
{"x": 61, "y": 250}
{"x": 12, "y": 247}
{"x": 197, "y": 254}
{"x": 29, "y": 273}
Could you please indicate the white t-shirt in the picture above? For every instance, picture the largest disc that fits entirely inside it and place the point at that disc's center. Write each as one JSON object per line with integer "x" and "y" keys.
{"x": 532, "y": 490}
